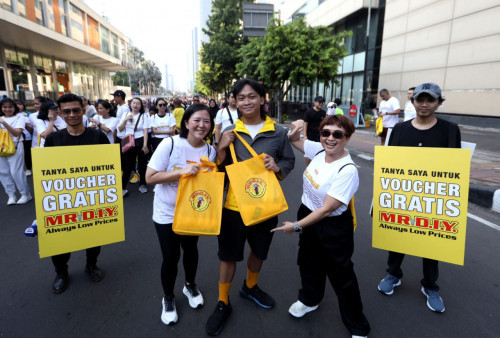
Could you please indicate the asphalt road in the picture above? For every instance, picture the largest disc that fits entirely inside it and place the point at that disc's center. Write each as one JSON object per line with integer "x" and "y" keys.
{"x": 127, "y": 303}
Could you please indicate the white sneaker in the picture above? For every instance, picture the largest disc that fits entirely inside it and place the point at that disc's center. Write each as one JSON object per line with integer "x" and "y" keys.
{"x": 299, "y": 309}
{"x": 354, "y": 336}
{"x": 169, "y": 312}
{"x": 143, "y": 189}
{"x": 24, "y": 199}
{"x": 125, "y": 192}
{"x": 12, "y": 200}
{"x": 193, "y": 295}
{"x": 28, "y": 172}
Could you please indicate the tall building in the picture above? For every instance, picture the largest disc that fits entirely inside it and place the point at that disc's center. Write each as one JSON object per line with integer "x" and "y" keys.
{"x": 397, "y": 44}
{"x": 50, "y": 47}
{"x": 197, "y": 37}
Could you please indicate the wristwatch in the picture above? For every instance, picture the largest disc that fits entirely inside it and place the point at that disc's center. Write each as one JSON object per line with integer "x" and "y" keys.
{"x": 297, "y": 227}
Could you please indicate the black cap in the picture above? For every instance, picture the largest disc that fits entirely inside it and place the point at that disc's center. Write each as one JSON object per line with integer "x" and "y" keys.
{"x": 319, "y": 99}
{"x": 53, "y": 106}
{"x": 120, "y": 93}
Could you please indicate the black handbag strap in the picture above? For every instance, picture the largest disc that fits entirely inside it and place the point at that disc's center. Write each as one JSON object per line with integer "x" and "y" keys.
{"x": 230, "y": 117}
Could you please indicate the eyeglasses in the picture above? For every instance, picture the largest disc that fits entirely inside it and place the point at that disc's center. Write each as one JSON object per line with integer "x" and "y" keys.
{"x": 74, "y": 111}
{"x": 336, "y": 134}
{"x": 162, "y": 105}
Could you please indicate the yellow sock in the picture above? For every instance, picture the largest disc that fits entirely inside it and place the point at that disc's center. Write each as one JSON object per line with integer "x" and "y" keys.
{"x": 224, "y": 292}
{"x": 252, "y": 278}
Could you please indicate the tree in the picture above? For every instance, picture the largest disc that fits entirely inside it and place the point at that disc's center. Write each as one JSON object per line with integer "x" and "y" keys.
{"x": 219, "y": 55}
{"x": 137, "y": 55}
{"x": 120, "y": 79}
{"x": 292, "y": 54}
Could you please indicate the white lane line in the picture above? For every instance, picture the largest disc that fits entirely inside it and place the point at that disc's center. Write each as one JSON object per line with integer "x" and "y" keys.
{"x": 366, "y": 157}
{"x": 485, "y": 222}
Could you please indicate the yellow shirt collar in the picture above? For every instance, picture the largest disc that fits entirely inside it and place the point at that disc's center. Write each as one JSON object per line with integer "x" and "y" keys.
{"x": 268, "y": 126}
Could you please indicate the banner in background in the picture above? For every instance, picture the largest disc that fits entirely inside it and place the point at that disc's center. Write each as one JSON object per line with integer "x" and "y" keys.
{"x": 420, "y": 198}
{"x": 78, "y": 197}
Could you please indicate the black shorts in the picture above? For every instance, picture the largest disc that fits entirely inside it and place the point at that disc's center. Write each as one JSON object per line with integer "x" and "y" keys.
{"x": 234, "y": 233}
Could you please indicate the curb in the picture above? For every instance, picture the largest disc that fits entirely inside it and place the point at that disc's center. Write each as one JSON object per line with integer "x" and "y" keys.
{"x": 486, "y": 197}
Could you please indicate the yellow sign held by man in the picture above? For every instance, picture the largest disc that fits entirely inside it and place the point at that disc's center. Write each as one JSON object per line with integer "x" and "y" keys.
{"x": 78, "y": 197}
{"x": 420, "y": 198}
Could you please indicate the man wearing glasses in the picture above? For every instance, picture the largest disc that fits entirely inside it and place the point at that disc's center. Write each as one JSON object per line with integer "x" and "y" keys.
{"x": 75, "y": 134}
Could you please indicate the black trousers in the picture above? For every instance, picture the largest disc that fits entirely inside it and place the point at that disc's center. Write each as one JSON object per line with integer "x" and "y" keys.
{"x": 430, "y": 269}
{"x": 325, "y": 250}
{"x": 171, "y": 244}
{"x": 61, "y": 261}
{"x": 129, "y": 159}
{"x": 27, "y": 154}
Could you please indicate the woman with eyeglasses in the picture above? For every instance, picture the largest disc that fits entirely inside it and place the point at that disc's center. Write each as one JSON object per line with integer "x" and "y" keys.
{"x": 325, "y": 223}
{"x": 162, "y": 123}
{"x": 48, "y": 121}
{"x": 136, "y": 123}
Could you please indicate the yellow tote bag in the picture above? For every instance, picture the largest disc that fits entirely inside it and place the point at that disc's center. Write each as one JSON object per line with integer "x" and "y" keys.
{"x": 7, "y": 147}
{"x": 256, "y": 189}
{"x": 379, "y": 126}
{"x": 198, "y": 208}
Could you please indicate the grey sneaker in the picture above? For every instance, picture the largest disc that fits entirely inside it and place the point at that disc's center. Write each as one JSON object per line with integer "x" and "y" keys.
{"x": 143, "y": 189}
{"x": 388, "y": 284}
{"x": 434, "y": 301}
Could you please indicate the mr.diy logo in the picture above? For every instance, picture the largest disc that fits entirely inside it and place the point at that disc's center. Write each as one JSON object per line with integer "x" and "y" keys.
{"x": 255, "y": 187}
{"x": 200, "y": 200}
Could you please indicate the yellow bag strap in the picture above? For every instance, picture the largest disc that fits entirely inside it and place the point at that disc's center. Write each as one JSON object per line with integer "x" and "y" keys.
{"x": 245, "y": 143}
{"x": 205, "y": 164}
{"x": 353, "y": 212}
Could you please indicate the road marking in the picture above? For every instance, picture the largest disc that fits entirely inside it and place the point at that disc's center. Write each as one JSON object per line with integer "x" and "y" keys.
{"x": 366, "y": 157}
{"x": 485, "y": 222}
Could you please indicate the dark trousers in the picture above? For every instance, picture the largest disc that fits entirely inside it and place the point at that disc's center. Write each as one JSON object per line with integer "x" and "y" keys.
{"x": 129, "y": 159}
{"x": 61, "y": 261}
{"x": 27, "y": 154}
{"x": 325, "y": 250}
{"x": 171, "y": 244}
{"x": 155, "y": 142}
{"x": 430, "y": 269}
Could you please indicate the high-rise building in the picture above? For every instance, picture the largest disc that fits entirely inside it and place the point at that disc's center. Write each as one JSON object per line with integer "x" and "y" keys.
{"x": 398, "y": 44}
{"x": 49, "y": 47}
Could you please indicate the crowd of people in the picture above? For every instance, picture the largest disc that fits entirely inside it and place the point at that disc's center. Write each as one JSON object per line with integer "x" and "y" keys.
{"x": 170, "y": 137}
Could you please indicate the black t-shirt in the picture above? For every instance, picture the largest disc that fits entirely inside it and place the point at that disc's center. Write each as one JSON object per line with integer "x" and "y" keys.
{"x": 63, "y": 138}
{"x": 313, "y": 119}
{"x": 436, "y": 137}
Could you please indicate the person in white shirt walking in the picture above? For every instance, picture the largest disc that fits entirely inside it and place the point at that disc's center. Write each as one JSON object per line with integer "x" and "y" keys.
{"x": 410, "y": 112}
{"x": 389, "y": 110}
{"x": 225, "y": 117}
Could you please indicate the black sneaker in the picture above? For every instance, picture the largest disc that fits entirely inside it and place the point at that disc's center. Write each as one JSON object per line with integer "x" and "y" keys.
{"x": 257, "y": 295}
{"x": 94, "y": 273}
{"x": 215, "y": 322}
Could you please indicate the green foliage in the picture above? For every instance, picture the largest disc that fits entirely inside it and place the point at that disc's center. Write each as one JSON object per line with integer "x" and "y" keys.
{"x": 292, "y": 54}
{"x": 225, "y": 38}
{"x": 368, "y": 117}
{"x": 120, "y": 79}
{"x": 147, "y": 79}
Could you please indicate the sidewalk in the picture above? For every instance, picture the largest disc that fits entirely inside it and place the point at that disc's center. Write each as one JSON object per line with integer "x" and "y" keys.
{"x": 484, "y": 189}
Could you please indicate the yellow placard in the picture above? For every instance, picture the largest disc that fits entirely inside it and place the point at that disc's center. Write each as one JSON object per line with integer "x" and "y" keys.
{"x": 420, "y": 198}
{"x": 78, "y": 197}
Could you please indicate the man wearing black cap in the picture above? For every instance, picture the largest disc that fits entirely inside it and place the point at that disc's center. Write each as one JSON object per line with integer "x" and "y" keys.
{"x": 426, "y": 130}
{"x": 312, "y": 119}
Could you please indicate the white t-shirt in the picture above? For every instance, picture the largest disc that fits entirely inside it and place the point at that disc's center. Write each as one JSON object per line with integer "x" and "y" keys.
{"x": 162, "y": 123}
{"x": 41, "y": 126}
{"x": 389, "y": 106}
{"x": 163, "y": 160}
{"x": 16, "y": 122}
{"x": 130, "y": 126}
{"x": 222, "y": 117}
{"x": 111, "y": 123}
{"x": 254, "y": 129}
{"x": 32, "y": 120}
{"x": 90, "y": 111}
{"x": 410, "y": 112}
{"x": 124, "y": 108}
{"x": 321, "y": 179}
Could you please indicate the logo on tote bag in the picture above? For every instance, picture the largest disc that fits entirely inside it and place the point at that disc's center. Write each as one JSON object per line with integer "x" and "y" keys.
{"x": 255, "y": 187}
{"x": 200, "y": 200}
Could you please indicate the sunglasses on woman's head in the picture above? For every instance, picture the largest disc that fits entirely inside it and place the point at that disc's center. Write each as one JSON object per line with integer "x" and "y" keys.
{"x": 338, "y": 134}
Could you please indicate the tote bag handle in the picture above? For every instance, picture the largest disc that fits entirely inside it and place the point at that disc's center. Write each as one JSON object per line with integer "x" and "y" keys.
{"x": 245, "y": 143}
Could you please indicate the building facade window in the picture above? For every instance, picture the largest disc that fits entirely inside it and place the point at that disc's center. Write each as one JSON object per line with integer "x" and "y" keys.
{"x": 21, "y": 7}
{"x": 76, "y": 22}
{"x": 116, "y": 50}
{"x": 105, "y": 47}
{"x": 39, "y": 12}
{"x": 50, "y": 15}
{"x": 6, "y": 4}
{"x": 63, "y": 13}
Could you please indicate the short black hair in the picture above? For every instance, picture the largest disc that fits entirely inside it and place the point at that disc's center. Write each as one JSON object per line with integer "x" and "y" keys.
{"x": 69, "y": 97}
{"x": 190, "y": 111}
{"x": 412, "y": 88}
{"x": 238, "y": 87}
{"x": 109, "y": 106}
{"x": 43, "y": 114}
{"x": 383, "y": 91}
{"x": 142, "y": 104}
